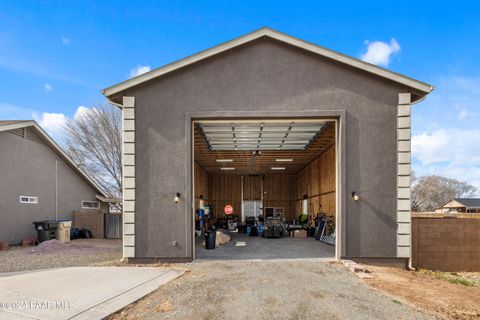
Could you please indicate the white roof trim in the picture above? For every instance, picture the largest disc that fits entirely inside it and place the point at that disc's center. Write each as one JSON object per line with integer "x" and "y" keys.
{"x": 56, "y": 147}
{"x": 396, "y": 77}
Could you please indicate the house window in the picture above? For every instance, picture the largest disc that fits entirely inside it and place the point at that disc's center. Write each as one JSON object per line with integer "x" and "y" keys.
{"x": 90, "y": 204}
{"x": 28, "y": 199}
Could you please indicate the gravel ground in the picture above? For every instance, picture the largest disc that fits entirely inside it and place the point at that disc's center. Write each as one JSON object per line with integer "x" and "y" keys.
{"x": 301, "y": 289}
{"x": 81, "y": 252}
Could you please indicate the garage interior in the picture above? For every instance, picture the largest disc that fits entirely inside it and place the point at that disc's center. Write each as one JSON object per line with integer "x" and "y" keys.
{"x": 269, "y": 184}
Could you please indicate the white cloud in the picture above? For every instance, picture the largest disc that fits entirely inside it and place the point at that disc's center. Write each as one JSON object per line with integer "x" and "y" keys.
{"x": 81, "y": 111}
{"x": 139, "y": 70}
{"x": 380, "y": 53}
{"x": 453, "y": 153}
{"x": 47, "y": 88}
{"x": 53, "y": 123}
{"x": 65, "y": 40}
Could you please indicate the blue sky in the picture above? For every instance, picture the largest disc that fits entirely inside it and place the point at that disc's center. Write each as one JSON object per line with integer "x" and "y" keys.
{"x": 56, "y": 56}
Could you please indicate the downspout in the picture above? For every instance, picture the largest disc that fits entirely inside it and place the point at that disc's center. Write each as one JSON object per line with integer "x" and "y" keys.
{"x": 56, "y": 190}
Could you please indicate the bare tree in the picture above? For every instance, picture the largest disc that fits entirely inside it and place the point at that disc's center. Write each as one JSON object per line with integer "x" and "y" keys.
{"x": 93, "y": 141}
{"x": 430, "y": 192}
{"x": 415, "y": 195}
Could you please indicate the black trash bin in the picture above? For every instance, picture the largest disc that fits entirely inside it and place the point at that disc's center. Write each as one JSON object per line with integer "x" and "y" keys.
{"x": 46, "y": 230}
{"x": 210, "y": 238}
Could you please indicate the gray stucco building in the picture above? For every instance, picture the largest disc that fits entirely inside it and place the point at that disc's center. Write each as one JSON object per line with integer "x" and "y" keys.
{"x": 267, "y": 76}
{"x": 38, "y": 182}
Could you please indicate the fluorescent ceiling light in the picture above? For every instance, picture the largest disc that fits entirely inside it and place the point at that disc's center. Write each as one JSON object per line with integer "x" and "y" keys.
{"x": 261, "y": 134}
{"x": 224, "y": 160}
{"x": 284, "y": 160}
{"x": 278, "y": 168}
{"x": 227, "y": 168}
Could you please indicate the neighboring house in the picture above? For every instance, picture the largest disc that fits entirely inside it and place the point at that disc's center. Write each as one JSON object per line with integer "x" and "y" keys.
{"x": 184, "y": 143}
{"x": 38, "y": 181}
{"x": 461, "y": 205}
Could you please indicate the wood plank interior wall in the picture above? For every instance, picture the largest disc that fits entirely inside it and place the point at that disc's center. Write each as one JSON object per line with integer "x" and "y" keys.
{"x": 252, "y": 187}
{"x": 317, "y": 181}
{"x": 200, "y": 185}
{"x": 280, "y": 191}
{"x": 224, "y": 189}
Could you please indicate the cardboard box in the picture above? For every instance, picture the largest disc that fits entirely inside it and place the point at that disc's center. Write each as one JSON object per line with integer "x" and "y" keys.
{"x": 300, "y": 233}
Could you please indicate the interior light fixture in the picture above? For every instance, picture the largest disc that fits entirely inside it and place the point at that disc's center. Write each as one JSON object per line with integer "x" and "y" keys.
{"x": 177, "y": 197}
{"x": 284, "y": 160}
{"x": 224, "y": 160}
{"x": 355, "y": 196}
{"x": 227, "y": 168}
{"x": 278, "y": 168}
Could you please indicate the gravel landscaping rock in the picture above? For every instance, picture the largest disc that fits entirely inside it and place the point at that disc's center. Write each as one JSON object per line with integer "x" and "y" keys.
{"x": 275, "y": 289}
{"x": 53, "y": 254}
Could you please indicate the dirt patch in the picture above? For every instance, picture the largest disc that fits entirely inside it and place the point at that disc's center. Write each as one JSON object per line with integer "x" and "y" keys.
{"x": 164, "y": 307}
{"x": 445, "y": 295}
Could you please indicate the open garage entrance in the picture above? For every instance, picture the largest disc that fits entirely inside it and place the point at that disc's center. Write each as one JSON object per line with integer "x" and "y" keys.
{"x": 268, "y": 184}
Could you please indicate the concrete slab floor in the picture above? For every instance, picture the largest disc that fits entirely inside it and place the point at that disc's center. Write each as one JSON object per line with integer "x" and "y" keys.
{"x": 243, "y": 247}
{"x": 77, "y": 292}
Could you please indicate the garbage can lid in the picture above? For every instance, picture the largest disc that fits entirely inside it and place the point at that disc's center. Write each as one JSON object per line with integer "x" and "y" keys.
{"x": 65, "y": 223}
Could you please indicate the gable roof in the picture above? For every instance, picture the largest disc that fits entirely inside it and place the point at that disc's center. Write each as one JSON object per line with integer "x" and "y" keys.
{"x": 421, "y": 87}
{"x": 5, "y": 122}
{"x": 469, "y": 202}
{"x": 7, "y": 125}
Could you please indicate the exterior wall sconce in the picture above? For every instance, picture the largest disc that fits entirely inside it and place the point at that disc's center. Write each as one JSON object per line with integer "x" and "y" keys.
{"x": 177, "y": 197}
{"x": 355, "y": 196}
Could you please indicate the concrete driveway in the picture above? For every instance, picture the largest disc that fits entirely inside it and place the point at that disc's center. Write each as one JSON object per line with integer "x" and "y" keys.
{"x": 76, "y": 292}
{"x": 243, "y": 247}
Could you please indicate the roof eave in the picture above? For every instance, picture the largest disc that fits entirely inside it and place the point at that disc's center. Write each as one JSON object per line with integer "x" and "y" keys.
{"x": 422, "y": 87}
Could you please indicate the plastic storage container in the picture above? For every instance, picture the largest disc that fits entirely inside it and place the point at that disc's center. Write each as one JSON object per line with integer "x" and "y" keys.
{"x": 63, "y": 231}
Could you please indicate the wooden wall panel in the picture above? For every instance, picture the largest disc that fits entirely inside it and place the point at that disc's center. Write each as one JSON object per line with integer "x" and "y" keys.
{"x": 224, "y": 189}
{"x": 252, "y": 189}
{"x": 317, "y": 181}
{"x": 200, "y": 185}
{"x": 279, "y": 191}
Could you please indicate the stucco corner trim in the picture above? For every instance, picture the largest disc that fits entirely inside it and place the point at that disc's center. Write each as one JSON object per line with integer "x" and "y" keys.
{"x": 404, "y": 229}
{"x": 128, "y": 176}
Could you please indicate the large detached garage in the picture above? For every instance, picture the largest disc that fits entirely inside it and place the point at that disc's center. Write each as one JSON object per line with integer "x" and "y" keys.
{"x": 267, "y": 135}
{"x": 278, "y": 177}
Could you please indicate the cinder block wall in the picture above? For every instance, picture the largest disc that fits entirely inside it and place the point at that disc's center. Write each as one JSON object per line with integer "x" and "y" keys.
{"x": 446, "y": 244}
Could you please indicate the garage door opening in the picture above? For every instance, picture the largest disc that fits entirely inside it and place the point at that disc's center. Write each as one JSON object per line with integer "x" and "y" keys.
{"x": 269, "y": 184}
